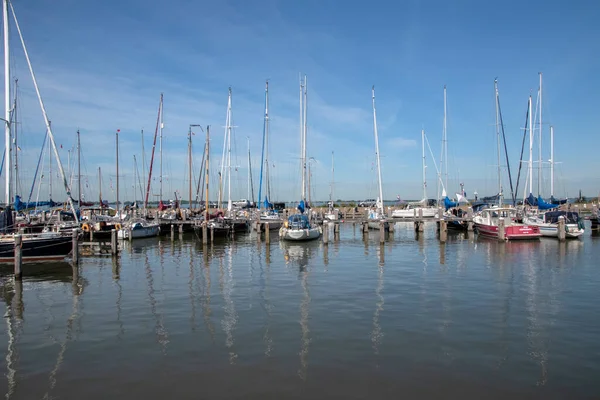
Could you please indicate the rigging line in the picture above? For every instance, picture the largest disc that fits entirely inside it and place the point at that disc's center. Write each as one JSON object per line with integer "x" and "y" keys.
{"x": 512, "y": 193}
{"x": 522, "y": 149}
{"x": 37, "y": 168}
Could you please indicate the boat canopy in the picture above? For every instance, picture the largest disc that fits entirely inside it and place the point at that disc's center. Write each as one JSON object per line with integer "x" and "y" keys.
{"x": 551, "y": 217}
{"x": 298, "y": 221}
{"x": 20, "y": 205}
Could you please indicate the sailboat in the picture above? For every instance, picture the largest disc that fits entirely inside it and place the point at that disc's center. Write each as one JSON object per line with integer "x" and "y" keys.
{"x": 35, "y": 247}
{"x": 412, "y": 209}
{"x": 298, "y": 226}
{"x": 377, "y": 215}
{"x": 332, "y": 214}
{"x": 487, "y": 221}
{"x": 234, "y": 221}
{"x": 268, "y": 213}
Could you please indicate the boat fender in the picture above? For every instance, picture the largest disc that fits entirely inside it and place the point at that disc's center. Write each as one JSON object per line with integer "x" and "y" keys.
{"x": 85, "y": 227}
{"x": 285, "y": 224}
{"x": 118, "y": 226}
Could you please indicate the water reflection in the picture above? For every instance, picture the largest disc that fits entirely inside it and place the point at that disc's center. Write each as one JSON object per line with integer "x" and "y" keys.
{"x": 265, "y": 275}
{"x": 376, "y": 333}
{"x": 206, "y": 310}
{"x": 12, "y": 294}
{"x": 230, "y": 318}
{"x": 116, "y": 280}
{"x": 162, "y": 336}
{"x": 63, "y": 345}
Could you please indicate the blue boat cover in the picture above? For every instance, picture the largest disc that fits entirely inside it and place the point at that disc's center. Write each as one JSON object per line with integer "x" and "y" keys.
{"x": 298, "y": 221}
{"x": 542, "y": 205}
{"x": 301, "y": 207}
{"x": 266, "y": 203}
{"x": 449, "y": 203}
{"x": 20, "y": 205}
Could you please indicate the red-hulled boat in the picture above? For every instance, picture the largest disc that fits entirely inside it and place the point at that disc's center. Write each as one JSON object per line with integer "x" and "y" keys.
{"x": 487, "y": 223}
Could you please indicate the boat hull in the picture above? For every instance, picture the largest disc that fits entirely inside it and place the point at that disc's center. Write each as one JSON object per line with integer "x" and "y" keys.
{"x": 376, "y": 226}
{"x": 414, "y": 213}
{"x": 299, "y": 235}
{"x": 37, "y": 249}
{"x": 139, "y": 233}
{"x": 274, "y": 224}
{"x": 511, "y": 232}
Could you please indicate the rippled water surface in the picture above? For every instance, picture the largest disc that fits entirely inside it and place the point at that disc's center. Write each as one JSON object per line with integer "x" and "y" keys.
{"x": 411, "y": 319}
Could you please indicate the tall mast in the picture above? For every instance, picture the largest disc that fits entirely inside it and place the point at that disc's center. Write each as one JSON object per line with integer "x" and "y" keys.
{"x": 377, "y": 150}
{"x": 302, "y": 161}
{"x": 190, "y": 165}
{"x": 17, "y": 186}
{"x": 161, "y": 126}
{"x": 445, "y": 139}
{"x": 158, "y": 124}
{"x": 498, "y": 142}
{"x": 229, "y": 205}
{"x": 50, "y": 166}
{"x": 331, "y": 186}
{"x": 79, "y": 168}
{"x": 530, "y": 164}
{"x": 305, "y": 129}
{"x": 266, "y": 138}
{"x": 43, "y": 108}
{"x": 224, "y": 151}
{"x": 143, "y": 164}
{"x": 7, "y": 158}
{"x": 206, "y": 178}
{"x": 551, "y": 161}
{"x": 424, "y": 166}
{"x": 540, "y": 143}
{"x": 100, "y": 187}
{"x": 117, "y": 143}
{"x": 263, "y": 162}
{"x": 249, "y": 171}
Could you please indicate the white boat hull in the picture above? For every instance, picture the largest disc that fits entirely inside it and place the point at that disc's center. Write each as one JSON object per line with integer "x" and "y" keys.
{"x": 274, "y": 224}
{"x": 139, "y": 233}
{"x": 298, "y": 235}
{"x": 414, "y": 212}
{"x": 551, "y": 230}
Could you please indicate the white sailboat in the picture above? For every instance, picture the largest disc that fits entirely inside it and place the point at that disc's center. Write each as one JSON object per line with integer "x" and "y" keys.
{"x": 332, "y": 214}
{"x": 377, "y": 215}
{"x": 298, "y": 226}
{"x": 419, "y": 208}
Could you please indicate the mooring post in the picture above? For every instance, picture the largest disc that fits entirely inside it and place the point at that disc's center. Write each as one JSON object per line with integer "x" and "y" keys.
{"x": 181, "y": 229}
{"x": 113, "y": 242}
{"x": 212, "y": 233}
{"x": 258, "y": 229}
{"x": 381, "y": 231}
{"x": 75, "y": 246}
{"x": 443, "y": 231}
{"x": 204, "y": 233}
{"x": 365, "y": 227}
{"x": 172, "y": 232}
{"x": 326, "y": 233}
{"x": 91, "y": 233}
{"x": 562, "y": 233}
{"x": 18, "y": 257}
{"x": 501, "y": 229}
{"x": 267, "y": 233}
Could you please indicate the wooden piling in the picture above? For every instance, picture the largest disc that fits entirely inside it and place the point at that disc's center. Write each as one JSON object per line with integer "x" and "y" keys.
{"x": 562, "y": 233}
{"x": 212, "y": 233}
{"x": 267, "y": 233}
{"x": 91, "y": 232}
{"x": 75, "y": 246}
{"x": 172, "y": 232}
{"x": 204, "y": 233}
{"x": 18, "y": 257}
{"x": 365, "y": 227}
{"x": 326, "y": 233}
{"x": 381, "y": 232}
{"x": 113, "y": 242}
{"x": 336, "y": 228}
{"x": 443, "y": 231}
{"x": 180, "y": 229}
{"x": 501, "y": 229}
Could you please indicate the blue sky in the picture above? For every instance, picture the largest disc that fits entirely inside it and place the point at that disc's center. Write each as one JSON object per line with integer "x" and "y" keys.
{"x": 101, "y": 66}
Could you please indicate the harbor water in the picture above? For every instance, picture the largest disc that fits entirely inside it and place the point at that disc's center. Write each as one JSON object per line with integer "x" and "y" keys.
{"x": 414, "y": 318}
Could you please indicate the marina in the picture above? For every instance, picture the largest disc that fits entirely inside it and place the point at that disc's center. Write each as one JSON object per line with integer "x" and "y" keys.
{"x": 149, "y": 250}
{"x": 479, "y": 317}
